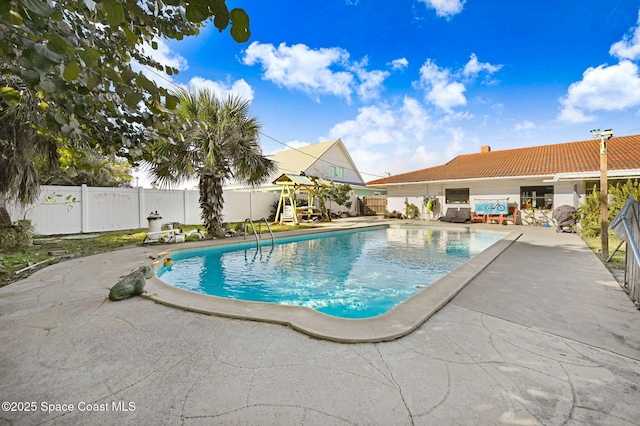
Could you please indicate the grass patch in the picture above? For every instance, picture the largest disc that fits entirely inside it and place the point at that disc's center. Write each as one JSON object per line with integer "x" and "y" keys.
{"x": 67, "y": 248}
{"x": 274, "y": 228}
{"x": 618, "y": 259}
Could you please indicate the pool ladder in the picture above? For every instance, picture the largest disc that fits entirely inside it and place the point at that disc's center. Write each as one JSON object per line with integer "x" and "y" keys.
{"x": 248, "y": 220}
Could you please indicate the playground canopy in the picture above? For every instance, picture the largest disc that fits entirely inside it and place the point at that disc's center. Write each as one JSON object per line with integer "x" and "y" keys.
{"x": 312, "y": 185}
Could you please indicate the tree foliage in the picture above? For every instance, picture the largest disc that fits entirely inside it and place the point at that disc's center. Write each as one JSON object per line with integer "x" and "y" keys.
{"x": 340, "y": 194}
{"x": 66, "y": 77}
{"x": 76, "y": 57}
{"x": 20, "y": 143}
{"x": 79, "y": 166}
{"x": 319, "y": 191}
{"x": 589, "y": 213}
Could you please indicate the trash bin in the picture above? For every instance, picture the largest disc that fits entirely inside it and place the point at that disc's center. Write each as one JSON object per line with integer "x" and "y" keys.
{"x": 154, "y": 223}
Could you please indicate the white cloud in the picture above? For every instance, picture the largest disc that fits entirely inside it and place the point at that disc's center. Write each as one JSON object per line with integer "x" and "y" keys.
{"x": 456, "y": 116}
{"x": 385, "y": 125}
{"x": 629, "y": 46}
{"x": 398, "y": 64}
{"x": 325, "y": 71}
{"x": 291, "y": 144}
{"x": 165, "y": 56}
{"x": 573, "y": 114}
{"x": 239, "y": 87}
{"x": 374, "y": 125}
{"x": 299, "y": 67}
{"x": 441, "y": 90}
{"x": 606, "y": 88}
{"x": 445, "y": 8}
{"x": 445, "y": 88}
{"x": 603, "y": 88}
{"x": 396, "y": 139}
{"x": 371, "y": 84}
{"x": 524, "y": 125}
{"x": 474, "y": 67}
{"x": 371, "y": 80}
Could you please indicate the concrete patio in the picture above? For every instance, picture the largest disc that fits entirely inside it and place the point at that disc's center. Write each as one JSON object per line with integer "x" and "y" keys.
{"x": 543, "y": 335}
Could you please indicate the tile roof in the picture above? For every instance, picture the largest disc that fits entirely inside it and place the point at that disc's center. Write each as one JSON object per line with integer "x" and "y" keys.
{"x": 547, "y": 160}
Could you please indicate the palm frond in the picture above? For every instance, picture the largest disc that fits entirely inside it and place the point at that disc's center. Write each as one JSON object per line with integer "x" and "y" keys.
{"x": 219, "y": 140}
{"x": 23, "y": 139}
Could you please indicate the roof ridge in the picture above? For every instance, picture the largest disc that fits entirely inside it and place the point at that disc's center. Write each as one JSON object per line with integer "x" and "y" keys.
{"x": 524, "y": 148}
{"x": 539, "y": 160}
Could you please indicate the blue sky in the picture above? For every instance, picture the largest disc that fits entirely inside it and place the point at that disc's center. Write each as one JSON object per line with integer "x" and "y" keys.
{"x": 413, "y": 83}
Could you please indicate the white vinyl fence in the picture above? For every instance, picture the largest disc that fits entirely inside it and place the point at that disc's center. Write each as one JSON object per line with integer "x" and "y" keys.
{"x": 92, "y": 209}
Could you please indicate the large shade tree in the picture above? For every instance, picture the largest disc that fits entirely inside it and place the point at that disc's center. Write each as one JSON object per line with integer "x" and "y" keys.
{"x": 220, "y": 140}
{"x": 77, "y": 166}
{"x": 72, "y": 62}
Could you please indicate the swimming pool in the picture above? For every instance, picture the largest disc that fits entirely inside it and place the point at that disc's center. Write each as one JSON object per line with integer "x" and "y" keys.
{"x": 358, "y": 273}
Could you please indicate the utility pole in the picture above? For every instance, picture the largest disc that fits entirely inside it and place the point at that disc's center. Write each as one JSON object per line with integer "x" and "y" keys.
{"x": 604, "y": 191}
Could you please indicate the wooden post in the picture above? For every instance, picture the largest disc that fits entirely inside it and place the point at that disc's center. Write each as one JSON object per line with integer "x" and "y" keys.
{"x": 604, "y": 201}
{"x": 84, "y": 208}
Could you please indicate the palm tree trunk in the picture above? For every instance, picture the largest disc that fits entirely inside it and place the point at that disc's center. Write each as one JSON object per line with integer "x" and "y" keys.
{"x": 211, "y": 203}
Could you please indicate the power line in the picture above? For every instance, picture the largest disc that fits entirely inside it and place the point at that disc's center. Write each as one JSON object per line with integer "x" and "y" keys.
{"x": 267, "y": 136}
{"x": 151, "y": 70}
{"x": 316, "y": 158}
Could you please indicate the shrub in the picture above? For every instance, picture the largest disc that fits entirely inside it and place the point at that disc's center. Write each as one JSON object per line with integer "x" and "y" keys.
{"x": 340, "y": 194}
{"x": 274, "y": 210}
{"x": 589, "y": 213}
{"x": 16, "y": 236}
{"x": 412, "y": 211}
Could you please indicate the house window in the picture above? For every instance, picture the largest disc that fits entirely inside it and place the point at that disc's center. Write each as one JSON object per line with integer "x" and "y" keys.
{"x": 335, "y": 171}
{"x": 590, "y": 184}
{"x": 457, "y": 196}
{"x": 537, "y": 197}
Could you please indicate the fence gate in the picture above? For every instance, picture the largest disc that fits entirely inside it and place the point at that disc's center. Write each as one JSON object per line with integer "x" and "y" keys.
{"x": 373, "y": 205}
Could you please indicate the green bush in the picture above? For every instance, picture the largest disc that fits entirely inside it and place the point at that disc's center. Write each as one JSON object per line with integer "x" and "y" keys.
{"x": 340, "y": 194}
{"x": 589, "y": 213}
{"x": 412, "y": 211}
{"x": 16, "y": 236}
{"x": 274, "y": 210}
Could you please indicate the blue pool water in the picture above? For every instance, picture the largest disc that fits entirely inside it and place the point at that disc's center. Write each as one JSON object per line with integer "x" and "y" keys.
{"x": 349, "y": 274}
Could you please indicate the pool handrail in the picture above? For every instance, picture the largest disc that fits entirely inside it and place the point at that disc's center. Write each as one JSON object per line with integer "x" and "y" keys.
{"x": 253, "y": 227}
{"x": 268, "y": 227}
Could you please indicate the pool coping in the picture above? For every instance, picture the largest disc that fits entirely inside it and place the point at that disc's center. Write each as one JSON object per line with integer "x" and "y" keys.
{"x": 398, "y": 322}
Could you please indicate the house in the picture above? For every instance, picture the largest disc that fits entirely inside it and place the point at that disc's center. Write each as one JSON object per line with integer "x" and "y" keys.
{"x": 327, "y": 160}
{"x": 535, "y": 180}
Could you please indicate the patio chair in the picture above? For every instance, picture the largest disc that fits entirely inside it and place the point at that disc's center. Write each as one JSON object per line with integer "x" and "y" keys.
{"x": 477, "y": 217}
{"x": 511, "y": 217}
{"x": 463, "y": 215}
{"x": 450, "y": 214}
{"x": 490, "y": 218}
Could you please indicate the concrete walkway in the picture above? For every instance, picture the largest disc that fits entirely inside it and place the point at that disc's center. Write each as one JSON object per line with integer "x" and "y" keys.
{"x": 544, "y": 335}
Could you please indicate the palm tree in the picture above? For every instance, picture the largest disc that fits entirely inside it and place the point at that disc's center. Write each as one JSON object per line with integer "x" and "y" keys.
{"x": 23, "y": 139}
{"x": 219, "y": 140}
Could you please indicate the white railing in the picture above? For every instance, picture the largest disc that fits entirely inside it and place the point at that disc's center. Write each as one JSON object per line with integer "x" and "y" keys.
{"x": 83, "y": 209}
